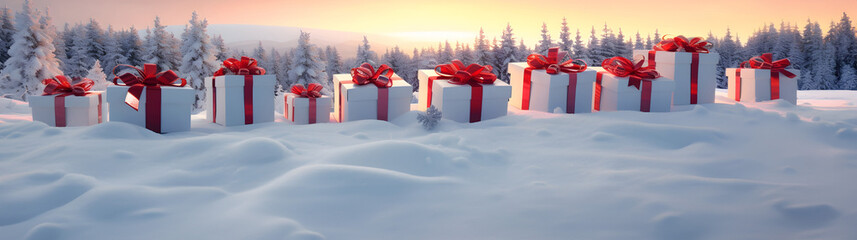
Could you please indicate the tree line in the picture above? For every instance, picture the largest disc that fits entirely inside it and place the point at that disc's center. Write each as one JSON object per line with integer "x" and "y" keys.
{"x": 31, "y": 48}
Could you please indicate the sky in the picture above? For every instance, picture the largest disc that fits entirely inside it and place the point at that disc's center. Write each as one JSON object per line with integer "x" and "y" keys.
{"x": 460, "y": 19}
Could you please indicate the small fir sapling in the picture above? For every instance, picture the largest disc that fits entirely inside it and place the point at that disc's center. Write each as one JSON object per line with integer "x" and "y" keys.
{"x": 430, "y": 118}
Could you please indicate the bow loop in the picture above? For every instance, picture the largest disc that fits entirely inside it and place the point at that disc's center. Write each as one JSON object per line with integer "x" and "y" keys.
{"x": 682, "y": 44}
{"x": 313, "y": 90}
{"x": 365, "y": 74}
{"x": 766, "y": 61}
{"x": 147, "y": 77}
{"x": 60, "y": 84}
{"x": 244, "y": 66}
{"x": 552, "y": 65}
{"x": 622, "y": 67}
{"x": 456, "y": 73}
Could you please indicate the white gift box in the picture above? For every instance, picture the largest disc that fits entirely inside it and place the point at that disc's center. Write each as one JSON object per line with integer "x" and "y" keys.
{"x": 616, "y": 95}
{"x": 756, "y": 85}
{"x": 354, "y": 102}
{"x": 176, "y": 105}
{"x": 455, "y": 100}
{"x": 79, "y": 110}
{"x": 550, "y": 91}
{"x": 297, "y": 109}
{"x": 678, "y": 66}
{"x": 228, "y": 95}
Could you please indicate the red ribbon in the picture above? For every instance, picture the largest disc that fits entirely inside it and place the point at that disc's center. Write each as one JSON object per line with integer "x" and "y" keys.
{"x": 60, "y": 85}
{"x": 551, "y": 65}
{"x": 381, "y": 78}
{"x": 247, "y": 67}
{"x": 680, "y": 43}
{"x": 312, "y": 91}
{"x": 151, "y": 80}
{"x": 765, "y": 61}
{"x": 638, "y": 76}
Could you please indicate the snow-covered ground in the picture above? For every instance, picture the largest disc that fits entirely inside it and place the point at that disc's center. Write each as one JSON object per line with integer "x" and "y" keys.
{"x": 766, "y": 170}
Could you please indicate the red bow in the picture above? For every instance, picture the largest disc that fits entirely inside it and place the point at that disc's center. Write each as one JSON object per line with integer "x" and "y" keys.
{"x": 766, "y": 61}
{"x": 458, "y": 74}
{"x": 682, "y": 44}
{"x": 148, "y": 77}
{"x": 366, "y": 74}
{"x": 313, "y": 90}
{"x": 60, "y": 84}
{"x": 551, "y": 63}
{"x": 245, "y": 66}
{"x": 622, "y": 67}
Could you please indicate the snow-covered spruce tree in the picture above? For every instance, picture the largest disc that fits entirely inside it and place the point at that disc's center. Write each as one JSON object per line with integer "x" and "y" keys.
{"x": 161, "y": 47}
{"x": 94, "y": 41}
{"x": 578, "y": 47}
{"x": 649, "y": 43}
{"x": 845, "y": 43}
{"x": 415, "y": 65}
{"x": 623, "y": 48}
{"x": 77, "y": 64}
{"x": 728, "y": 50}
{"x": 593, "y": 50}
{"x": 7, "y": 30}
{"x": 810, "y": 45}
{"x": 545, "y": 43}
{"x": 522, "y": 52}
{"x": 482, "y": 51}
{"x": 365, "y": 54}
{"x": 430, "y": 118}
{"x": 446, "y": 54}
{"x": 334, "y": 62}
{"x": 465, "y": 54}
{"x": 96, "y": 74}
{"x": 307, "y": 67}
{"x": 504, "y": 54}
{"x": 825, "y": 70}
{"x": 638, "y": 42}
{"x": 565, "y": 41}
{"x": 261, "y": 56}
{"x": 400, "y": 62}
{"x": 132, "y": 47}
{"x": 608, "y": 44}
{"x": 657, "y": 37}
{"x": 31, "y": 56}
{"x": 848, "y": 78}
{"x": 220, "y": 50}
{"x": 285, "y": 79}
{"x": 275, "y": 60}
{"x": 113, "y": 51}
{"x": 428, "y": 58}
{"x": 783, "y": 43}
{"x": 198, "y": 59}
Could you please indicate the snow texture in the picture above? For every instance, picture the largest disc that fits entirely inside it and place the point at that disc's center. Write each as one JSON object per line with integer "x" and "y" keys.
{"x": 767, "y": 170}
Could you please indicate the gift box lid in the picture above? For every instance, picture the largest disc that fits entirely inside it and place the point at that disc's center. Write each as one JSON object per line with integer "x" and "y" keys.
{"x": 679, "y": 57}
{"x": 520, "y": 66}
{"x": 70, "y": 101}
{"x": 238, "y": 80}
{"x": 497, "y": 90}
{"x": 302, "y": 102}
{"x": 354, "y": 92}
{"x": 175, "y": 95}
{"x": 752, "y": 72}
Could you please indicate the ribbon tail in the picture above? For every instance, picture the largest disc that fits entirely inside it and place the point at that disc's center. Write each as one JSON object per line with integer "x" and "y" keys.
{"x": 597, "y": 93}
{"x": 248, "y": 99}
{"x": 572, "y": 93}
{"x": 646, "y": 96}
{"x": 775, "y": 85}
{"x": 59, "y": 110}
{"x": 383, "y": 103}
{"x": 694, "y": 79}
{"x": 312, "y": 111}
{"x": 153, "y": 108}
{"x": 475, "y": 102}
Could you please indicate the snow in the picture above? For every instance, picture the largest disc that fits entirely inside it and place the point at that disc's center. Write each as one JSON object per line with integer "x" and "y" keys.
{"x": 766, "y": 170}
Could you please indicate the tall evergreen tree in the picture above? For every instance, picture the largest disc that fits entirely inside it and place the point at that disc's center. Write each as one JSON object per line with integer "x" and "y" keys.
{"x": 31, "y": 56}
{"x": 132, "y": 46}
{"x": 522, "y": 52}
{"x": 728, "y": 50}
{"x": 623, "y": 48}
{"x": 7, "y": 30}
{"x": 161, "y": 48}
{"x": 334, "y": 62}
{"x": 446, "y": 54}
{"x": 113, "y": 53}
{"x": 565, "y": 41}
{"x": 307, "y": 67}
{"x": 261, "y": 56}
{"x": 365, "y": 54}
{"x": 649, "y": 43}
{"x": 593, "y": 50}
{"x": 198, "y": 60}
{"x": 608, "y": 44}
{"x": 465, "y": 55}
{"x": 482, "y": 50}
{"x": 94, "y": 42}
{"x": 504, "y": 54}
{"x": 78, "y": 56}
{"x": 578, "y": 47}
{"x": 220, "y": 50}
{"x": 638, "y": 42}
{"x": 96, "y": 74}
{"x": 545, "y": 43}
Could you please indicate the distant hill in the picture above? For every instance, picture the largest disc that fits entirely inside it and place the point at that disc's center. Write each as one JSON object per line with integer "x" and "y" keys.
{"x": 247, "y": 37}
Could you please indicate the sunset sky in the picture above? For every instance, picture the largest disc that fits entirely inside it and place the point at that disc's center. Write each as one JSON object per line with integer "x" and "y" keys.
{"x": 402, "y": 17}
